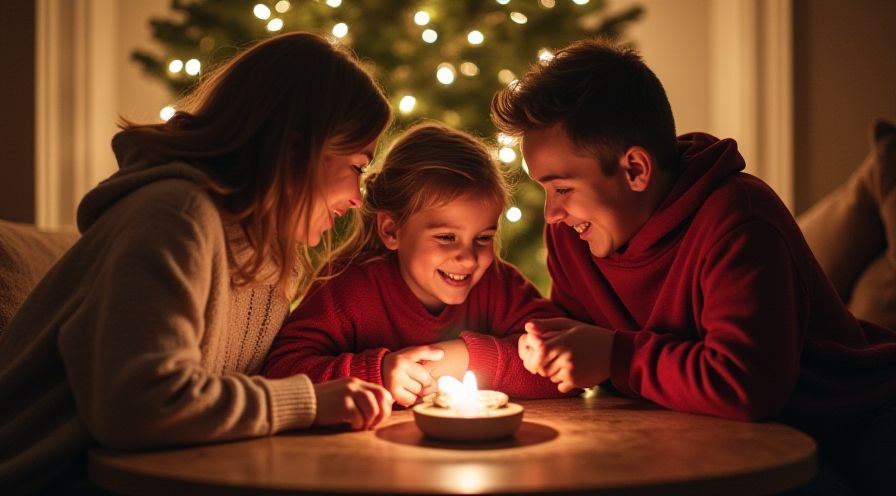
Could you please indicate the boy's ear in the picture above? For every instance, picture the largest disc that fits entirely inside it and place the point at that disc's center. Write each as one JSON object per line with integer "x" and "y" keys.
{"x": 638, "y": 165}
{"x": 387, "y": 230}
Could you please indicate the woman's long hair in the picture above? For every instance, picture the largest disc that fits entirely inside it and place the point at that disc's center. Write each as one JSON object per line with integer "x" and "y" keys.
{"x": 427, "y": 166}
{"x": 258, "y": 126}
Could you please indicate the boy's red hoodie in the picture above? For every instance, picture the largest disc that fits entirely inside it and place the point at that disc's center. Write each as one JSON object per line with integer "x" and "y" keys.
{"x": 720, "y": 307}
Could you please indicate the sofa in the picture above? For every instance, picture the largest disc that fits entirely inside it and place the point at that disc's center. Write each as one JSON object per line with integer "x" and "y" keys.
{"x": 852, "y": 232}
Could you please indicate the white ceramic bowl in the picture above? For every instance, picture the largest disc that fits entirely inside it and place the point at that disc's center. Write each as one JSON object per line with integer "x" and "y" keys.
{"x": 440, "y": 423}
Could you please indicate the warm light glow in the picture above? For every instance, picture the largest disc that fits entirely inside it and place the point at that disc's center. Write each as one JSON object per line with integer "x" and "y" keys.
{"x": 580, "y": 2}
{"x": 518, "y": 17}
{"x": 407, "y": 104}
{"x": 167, "y": 112}
{"x": 506, "y": 76}
{"x": 469, "y": 69}
{"x": 524, "y": 165}
{"x": 462, "y": 397}
{"x": 475, "y": 37}
{"x": 340, "y": 30}
{"x": 282, "y": 6}
{"x": 261, "y": 11}
{"x": 545, "y": 55}
{"x": 506, "y": 139}
{"x": 548, "y": 4}
{"x": 175, "y": 66}
{"x": 421, "y": 18}
{"x": 445, "y": 73}
{"x": 334, "y": 3}
{"x": 192, "y": 67}
{"x": 514, "y": 214}
{"x": 429, "y": 35}
{"x": 506, "y": 155}
{"x": 503, "y": 2}
{"x": 451, "y": 118}
{"x": 275, "y": 24}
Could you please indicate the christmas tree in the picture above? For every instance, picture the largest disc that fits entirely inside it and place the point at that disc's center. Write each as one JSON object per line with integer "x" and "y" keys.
{"x": 439, "y": 59}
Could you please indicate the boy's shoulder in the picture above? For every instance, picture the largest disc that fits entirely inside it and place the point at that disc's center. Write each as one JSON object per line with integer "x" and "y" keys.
{"x": 742, "y": 198}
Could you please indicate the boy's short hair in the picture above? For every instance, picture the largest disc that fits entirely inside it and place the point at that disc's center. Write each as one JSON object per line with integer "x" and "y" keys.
{"x": 605, "y": 97}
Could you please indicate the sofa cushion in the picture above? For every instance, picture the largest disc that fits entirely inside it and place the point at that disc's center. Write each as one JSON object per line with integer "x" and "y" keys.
{"x": 852, "y": 232}
{"x": 26, "y": 254}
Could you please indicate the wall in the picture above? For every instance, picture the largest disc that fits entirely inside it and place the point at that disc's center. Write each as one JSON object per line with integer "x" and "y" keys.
{"x": 845, "y": 75}
{"x": 17, "y": 25}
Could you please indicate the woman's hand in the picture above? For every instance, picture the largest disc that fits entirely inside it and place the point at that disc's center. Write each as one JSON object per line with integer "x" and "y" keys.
{"x": 404, "y": 374}
{"x": 363, "y": 405}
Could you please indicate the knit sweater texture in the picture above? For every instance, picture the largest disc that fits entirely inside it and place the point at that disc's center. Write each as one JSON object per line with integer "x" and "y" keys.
{"x": 719, "y": 306}
{"x": 137, "y": 338}
{"x": 346, "y": 325}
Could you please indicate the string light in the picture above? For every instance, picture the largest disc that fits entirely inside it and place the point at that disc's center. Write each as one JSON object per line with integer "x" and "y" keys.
{"x": 514, "y": 214}
{"x": 503, "y": 2}
{"x": 192, "y": 67}
{"x": 506, "y": 76}
{"x": 545, "y": 55}
{"x": 340, "y": 30}
{"x": 282, "y": 6}
{"x": 334, "y": 3}
{"x": 175, "y": 66}
{"x": 445, "y": 73}
{"x": 421, "y": 18}
{"x": 261, "y": 11}
{"x": 518, "y": 17}
{"x": 506, "y": 155}
{"x": 429, "y": 35}
{"x": 580, "y": 2}
{"x": 475, "y": 37}
{"x": 275, "y": 24}
{"x": 548, "y": 4}
{"x": 167, "y": 112}
{"x": 469, "y": 69}
{"x": 406, "y": 104}
{"x": 451, "y": 118}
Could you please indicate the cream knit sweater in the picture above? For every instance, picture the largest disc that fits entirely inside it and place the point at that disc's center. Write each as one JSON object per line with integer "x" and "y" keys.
{"x": 138, "y": 339}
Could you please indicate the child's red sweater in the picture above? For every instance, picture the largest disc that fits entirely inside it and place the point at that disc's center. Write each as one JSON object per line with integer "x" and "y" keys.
{"x": 345, "y": 326}
{"x": 720, "y": 307}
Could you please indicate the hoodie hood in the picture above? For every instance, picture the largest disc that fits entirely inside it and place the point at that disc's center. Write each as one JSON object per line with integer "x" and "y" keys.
{"x": 134, "y": 172}
{"x": 704, "y": 163}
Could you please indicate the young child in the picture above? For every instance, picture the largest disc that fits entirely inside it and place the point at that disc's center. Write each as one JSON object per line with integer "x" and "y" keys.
{"x": 689, "y": 281}
{"x": 419, "y": 292}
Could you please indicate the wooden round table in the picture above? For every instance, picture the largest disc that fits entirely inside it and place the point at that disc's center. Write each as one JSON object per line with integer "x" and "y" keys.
{"x": 603, "y": 444}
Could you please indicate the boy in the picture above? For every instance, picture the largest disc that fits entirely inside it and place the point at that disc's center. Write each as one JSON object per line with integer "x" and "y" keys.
{"x": 689, "y": 282}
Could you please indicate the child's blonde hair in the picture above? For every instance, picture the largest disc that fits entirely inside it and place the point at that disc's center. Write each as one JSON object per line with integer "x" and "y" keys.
{"x": 429, "y": 165}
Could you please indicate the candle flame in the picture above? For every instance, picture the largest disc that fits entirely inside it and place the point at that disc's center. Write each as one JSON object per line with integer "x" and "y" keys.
{"x": 463, "y": 397}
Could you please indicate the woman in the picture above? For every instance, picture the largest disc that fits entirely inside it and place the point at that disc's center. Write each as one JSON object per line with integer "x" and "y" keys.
{"x": 150, "y": 331}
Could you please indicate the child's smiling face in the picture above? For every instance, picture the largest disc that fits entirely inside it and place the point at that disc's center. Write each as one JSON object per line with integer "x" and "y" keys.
{"x": 443, "y": 251}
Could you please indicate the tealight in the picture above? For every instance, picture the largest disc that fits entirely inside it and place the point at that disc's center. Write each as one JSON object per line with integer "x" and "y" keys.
{"x": 459, "y": 411}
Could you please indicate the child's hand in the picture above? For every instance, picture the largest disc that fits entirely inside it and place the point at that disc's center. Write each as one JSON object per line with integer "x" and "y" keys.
{"x": 363, "y": 405}
{"x": 570, "y": 353}
{"x": 405, "y": 376}
{"x": 530, "y": 349}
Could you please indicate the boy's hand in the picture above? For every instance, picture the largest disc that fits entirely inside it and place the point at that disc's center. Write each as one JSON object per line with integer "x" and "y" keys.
{"x": 530, "y": 349}
{"x": 570, "y": 353}
{"x": 363, "y": 405}
{"x": 405, "y": 376}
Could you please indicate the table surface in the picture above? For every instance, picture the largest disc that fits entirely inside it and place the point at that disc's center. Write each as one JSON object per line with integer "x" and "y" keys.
{"x": 603, "y": 444}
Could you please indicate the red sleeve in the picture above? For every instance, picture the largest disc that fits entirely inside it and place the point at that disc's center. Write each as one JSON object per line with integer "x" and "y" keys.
{"x": 747, "y": 362}
{"x": 317, "y": 339}
{"x": 494, "y": 357}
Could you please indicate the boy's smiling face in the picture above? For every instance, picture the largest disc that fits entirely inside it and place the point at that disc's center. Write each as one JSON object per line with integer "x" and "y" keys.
{"x": 443, "y": 251}
{"x": 604, "y": 210}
